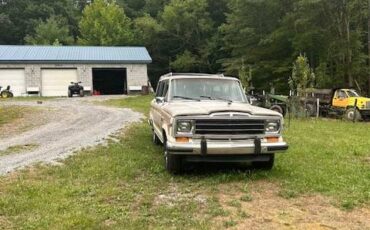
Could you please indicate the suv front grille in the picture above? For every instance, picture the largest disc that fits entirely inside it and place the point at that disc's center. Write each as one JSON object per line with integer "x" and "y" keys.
{"x": 229, "y": 127}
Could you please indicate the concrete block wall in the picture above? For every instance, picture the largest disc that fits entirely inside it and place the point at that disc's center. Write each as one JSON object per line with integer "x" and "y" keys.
{"x": 137, "y": 74}
{"x": 84, "y": 74}
{"x": 33, "y": 74}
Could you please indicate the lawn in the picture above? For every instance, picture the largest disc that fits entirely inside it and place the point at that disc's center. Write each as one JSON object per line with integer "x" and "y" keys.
{"x": 124, "y": 185}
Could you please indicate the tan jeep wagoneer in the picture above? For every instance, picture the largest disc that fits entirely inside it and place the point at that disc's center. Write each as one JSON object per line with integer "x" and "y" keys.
{"x": 207, "y": 118}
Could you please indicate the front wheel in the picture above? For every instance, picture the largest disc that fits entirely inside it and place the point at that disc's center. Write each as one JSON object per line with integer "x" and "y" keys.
{"x": 82, "y": 93}
{"x": 155, "y": 138}
{"x": 277, "y": 108}
{"x": 70, "y": 93}
{"x": 173, "y": 163}
{"x": 265, "y": 165}
{"x": 6, "y": 94}
{"x": 352, "y": 114}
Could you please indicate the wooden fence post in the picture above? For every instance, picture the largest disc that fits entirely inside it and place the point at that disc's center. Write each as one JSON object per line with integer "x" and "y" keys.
{"x": 317, "y": 107}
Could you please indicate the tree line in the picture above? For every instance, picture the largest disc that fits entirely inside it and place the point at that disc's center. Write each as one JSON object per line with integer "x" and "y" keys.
{"x": 258, "y": 39}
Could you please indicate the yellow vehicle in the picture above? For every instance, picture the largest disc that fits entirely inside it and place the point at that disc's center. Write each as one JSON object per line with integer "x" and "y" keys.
{"x": 342, "y": 102}
{"x": 350, "y": 101}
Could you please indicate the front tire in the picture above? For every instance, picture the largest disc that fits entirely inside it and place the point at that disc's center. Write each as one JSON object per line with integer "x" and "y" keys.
{"x": 82, "y": 93}
{"x": 173, "y": 163}
{"x": 5, "y": 94}
{"x": 265, "y": 165}
{"x": 350, "y": 114}
{"x": 155, "y": 138}
{"x": 70, "y": 93}
{"x": 277, "y": 108}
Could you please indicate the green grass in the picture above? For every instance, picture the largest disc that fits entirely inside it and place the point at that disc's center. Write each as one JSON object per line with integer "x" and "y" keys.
{"x": 124, "y": 185}
{"x": 9, "y": 114}
{"x": 18, "y": 148}
{"x": 139, "y": 103}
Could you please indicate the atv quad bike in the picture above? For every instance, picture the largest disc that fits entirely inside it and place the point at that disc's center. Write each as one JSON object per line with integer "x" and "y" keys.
{"x": 75, "y": 89}
{"x": 6, "y": 93}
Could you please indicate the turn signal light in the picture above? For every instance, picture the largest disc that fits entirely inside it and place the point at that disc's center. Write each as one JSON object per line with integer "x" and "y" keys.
{"x": 272, "y": 139}
{"x": 182, "y": 139}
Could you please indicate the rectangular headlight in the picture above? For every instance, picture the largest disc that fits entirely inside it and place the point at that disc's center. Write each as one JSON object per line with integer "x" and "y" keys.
{"x": 272, "y": 126}
{"x": 184, "y": 127}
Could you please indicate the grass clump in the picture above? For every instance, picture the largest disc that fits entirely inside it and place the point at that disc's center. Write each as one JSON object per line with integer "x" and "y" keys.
{"x": 18, "y": 148}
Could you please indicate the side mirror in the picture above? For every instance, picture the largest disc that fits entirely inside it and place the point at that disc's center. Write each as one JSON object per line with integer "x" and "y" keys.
{"x": 159, "y": 100}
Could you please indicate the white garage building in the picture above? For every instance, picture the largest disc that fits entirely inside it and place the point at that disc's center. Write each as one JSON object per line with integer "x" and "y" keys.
{"x": 49, "y": 70}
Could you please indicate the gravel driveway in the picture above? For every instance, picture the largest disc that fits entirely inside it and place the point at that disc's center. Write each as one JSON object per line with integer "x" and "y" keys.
{"x": 74, "y": 124}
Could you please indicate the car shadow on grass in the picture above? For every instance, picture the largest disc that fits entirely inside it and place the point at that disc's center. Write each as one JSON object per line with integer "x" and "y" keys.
{"x": 214, "y": 169}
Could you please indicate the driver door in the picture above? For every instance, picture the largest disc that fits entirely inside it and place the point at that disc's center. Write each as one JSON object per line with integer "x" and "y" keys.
{"x": 340, "y": 99}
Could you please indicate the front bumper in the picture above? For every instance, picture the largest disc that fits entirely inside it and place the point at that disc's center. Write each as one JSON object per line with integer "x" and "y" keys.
{"x": 211, "y": 147}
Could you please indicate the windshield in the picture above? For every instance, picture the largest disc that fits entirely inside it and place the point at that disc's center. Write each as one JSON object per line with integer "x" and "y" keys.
{"x": 353, "y": 93}
{"x": 207, "y": 89}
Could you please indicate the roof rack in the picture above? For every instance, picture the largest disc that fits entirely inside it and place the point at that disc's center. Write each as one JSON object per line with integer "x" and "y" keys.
{"x": 192, "y": 74}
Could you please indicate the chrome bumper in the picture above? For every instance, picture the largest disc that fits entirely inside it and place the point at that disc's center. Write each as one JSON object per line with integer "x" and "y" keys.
{"x": 208, "y": 147}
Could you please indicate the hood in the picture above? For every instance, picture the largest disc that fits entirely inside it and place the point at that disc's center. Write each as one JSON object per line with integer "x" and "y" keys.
{"x": 359, "y": 99}
{"x": 181, "y": 108}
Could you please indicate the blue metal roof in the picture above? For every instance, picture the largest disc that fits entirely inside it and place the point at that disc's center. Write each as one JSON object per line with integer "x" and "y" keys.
{"x": 74, "y": 54}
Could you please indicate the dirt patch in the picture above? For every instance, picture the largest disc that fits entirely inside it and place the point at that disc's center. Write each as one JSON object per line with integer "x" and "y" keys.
{"x": 5, "y": 223}
{"x": 267, "y": 210}
{"x": 173, "y": 197}
{"x": 27, "y": 119}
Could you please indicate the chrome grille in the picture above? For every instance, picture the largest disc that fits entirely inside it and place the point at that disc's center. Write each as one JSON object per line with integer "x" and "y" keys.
{"x": 229, "y": 127}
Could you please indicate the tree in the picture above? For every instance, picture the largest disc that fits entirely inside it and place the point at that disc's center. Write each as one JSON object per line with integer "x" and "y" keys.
{"x": 302, "y": 76}
{"x": 53, "y": 31}
{"x": 133, "y": 8}
{"x": 25, "y": 16}
{"x": 6, "y": 26}
{"x": 253, "y": 34}
{"x": 332, "y": 32}
{"x": 188, "y": 29}
{"x": 245, "y": 76}
{"x": 105, "y": 23}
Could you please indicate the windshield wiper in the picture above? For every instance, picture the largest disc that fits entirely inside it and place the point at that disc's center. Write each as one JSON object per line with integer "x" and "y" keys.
{"x": 217, "y": 98}
{"x": 186, "y": 98}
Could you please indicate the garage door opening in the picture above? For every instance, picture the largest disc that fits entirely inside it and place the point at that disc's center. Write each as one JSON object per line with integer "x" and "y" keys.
{"x": 110, "y": 81}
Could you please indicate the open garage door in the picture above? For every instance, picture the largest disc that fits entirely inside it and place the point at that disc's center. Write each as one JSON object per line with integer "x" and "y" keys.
{"x": 15, "y": 78}
{"x": 55, "y": 82}
{"x": 110, "y": 81}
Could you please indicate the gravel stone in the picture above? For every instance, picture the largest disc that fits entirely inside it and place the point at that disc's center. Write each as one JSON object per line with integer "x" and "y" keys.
{"x": 73, "y": 124}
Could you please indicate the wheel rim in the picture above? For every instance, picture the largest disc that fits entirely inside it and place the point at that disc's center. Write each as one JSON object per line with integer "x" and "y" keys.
{"x": 5, "y": 95}
{"x": 350, "y": 115}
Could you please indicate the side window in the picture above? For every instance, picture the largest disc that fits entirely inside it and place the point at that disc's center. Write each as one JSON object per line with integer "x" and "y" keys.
{"x": 342, "y": 94}
{"x": 159, "y": 89}
{"x": 165, "y": 88}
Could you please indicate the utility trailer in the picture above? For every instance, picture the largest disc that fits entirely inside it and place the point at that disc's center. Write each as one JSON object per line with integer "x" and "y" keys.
{"x": 278, "y": 103}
